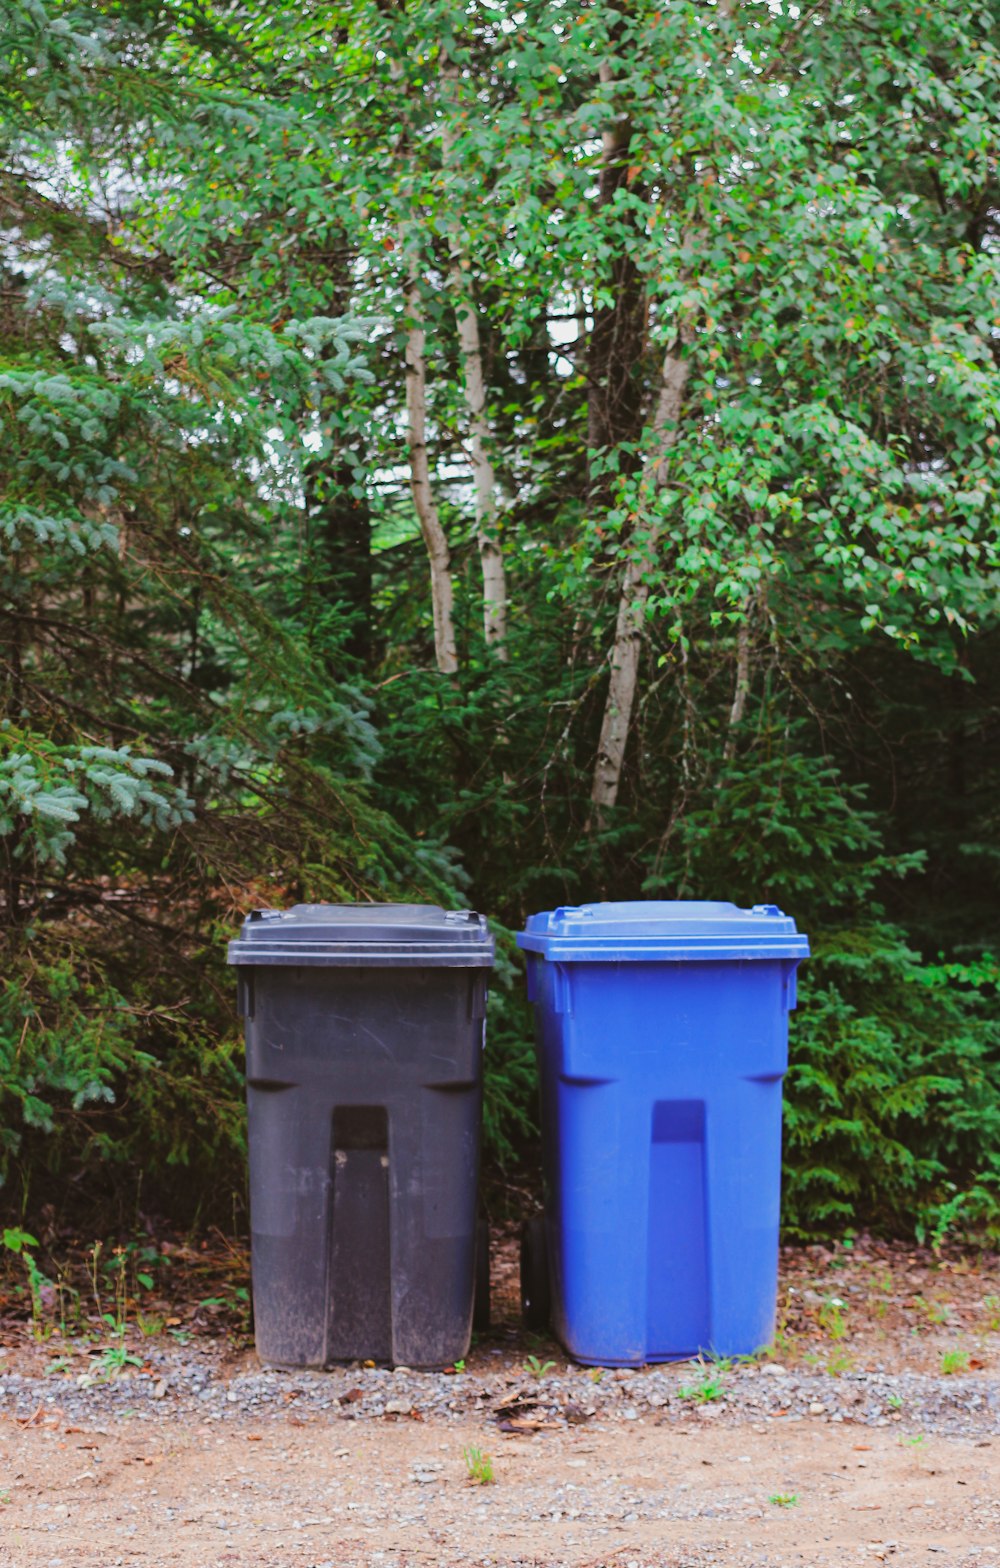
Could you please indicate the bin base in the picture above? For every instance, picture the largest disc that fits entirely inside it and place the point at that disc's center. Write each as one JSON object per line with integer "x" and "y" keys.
{"x": 334, "y": 1366}
{"x": 648, "y": 1361}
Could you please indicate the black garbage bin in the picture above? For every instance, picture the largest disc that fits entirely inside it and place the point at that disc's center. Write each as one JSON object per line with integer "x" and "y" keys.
{"x": 364, "y": 1039}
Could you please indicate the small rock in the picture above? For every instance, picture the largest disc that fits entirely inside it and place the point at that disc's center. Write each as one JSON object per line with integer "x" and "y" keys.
{"x": 773, "y": 1369}
{"x": 816, "y": 1409}
{"x": 159, "y": 1389}
{"x": 398, "y": 1407}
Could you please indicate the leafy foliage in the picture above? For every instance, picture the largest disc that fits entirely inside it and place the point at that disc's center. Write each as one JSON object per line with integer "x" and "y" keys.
{"x": 893, "y": 1099}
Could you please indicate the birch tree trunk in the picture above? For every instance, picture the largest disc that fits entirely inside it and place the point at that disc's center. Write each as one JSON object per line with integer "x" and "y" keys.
{"x": 741, "y": 690}
{"x": 474, "y": 391}
{"x": 635, "y": 587}
{"x": 484, "y": 477}
{"x": 435, "y": 539}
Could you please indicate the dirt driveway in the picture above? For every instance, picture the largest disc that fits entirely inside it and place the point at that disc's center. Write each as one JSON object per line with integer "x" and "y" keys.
{"x": 870, "y": 1432}
{"x": 797, "y": 1492}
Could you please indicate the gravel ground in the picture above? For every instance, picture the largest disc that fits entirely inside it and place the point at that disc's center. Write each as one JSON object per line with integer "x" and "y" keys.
{"x": 178, "y": 1385}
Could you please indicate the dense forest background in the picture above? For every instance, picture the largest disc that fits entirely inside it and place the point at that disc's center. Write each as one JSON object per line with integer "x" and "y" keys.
{"x": 504, "y": 454}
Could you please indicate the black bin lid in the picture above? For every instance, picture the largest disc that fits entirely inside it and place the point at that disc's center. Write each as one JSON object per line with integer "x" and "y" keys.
{"x": 396, "y": 935}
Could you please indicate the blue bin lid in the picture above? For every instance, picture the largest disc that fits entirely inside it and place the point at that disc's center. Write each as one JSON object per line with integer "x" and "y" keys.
{"x": 386, "y": 935}
{"x": 653, "y": 930}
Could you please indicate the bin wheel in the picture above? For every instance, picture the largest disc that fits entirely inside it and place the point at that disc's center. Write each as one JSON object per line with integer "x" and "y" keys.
{"x": 481, "y": 1299}
{"x": 535, "y": 1296}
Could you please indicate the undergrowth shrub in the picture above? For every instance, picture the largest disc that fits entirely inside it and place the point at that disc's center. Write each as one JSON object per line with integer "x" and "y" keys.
{"x": 892, "y": 1100}
{"x": 108, "y": 1085}
{"x": 510, "y": 1089}
{"x": 65, "y": 1037}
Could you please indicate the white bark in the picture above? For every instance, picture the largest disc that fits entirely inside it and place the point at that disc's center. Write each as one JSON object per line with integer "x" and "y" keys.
{"x": 484, "y": 477}
{"x": 435, "y": 539}
{"x": 741, "y": 690}
{"x": 635, "y": 588}
{"x": 474, "y": 389}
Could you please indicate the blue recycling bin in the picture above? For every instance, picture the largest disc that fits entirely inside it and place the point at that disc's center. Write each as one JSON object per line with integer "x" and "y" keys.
{"x": 662, "y": 1038}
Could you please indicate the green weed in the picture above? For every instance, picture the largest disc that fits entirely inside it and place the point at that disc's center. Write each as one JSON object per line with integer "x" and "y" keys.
{"x": 937, "y": 1312}
{"x": 538, "y": 1368}
{"x": 954, "y": 1361}
{"x": 708, "y": 1389}
{"x": 17, "y": 1240}
{"x": 833, "y": 1317}
{"x": 479, "y": 1467}
{"x": 841, "y": 1362}
{"x": 114, "y": 1358}
{"x": 112, "y": 1310}
{"x": 20, "y": 1243}
{"x": 784, "y": 1499}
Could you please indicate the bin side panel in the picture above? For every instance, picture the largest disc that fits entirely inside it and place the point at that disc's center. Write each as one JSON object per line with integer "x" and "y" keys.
{"x": 289, "y": 1141}
{"x": 601, "y": 1183}
{"x": 435, "y": 1174}
{"x": 744, "y": 1181}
